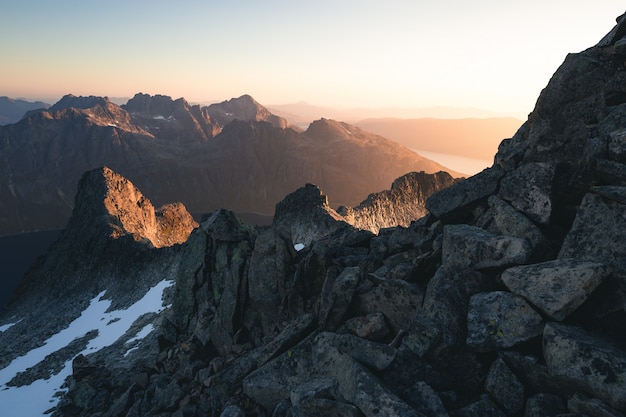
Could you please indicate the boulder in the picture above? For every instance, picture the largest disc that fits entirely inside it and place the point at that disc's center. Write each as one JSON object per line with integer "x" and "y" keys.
{"x": 447, "y": 298}
{"x": 597, "y": 233}
{"x": 424, "y": 400}
{"x": 596, "y": 365}
{"x": 511, "y": 222}
{"x": 556, "y": 287}
{"x": 504, "y": 387}
{"x": 500, "y": 319}
{"x": 357, "y": 385}
{"x": 369, "y": 326}
{"x": 529, "y": 189}
{"x": 457, "y": 200}
{"x": 545, "y": 405}
{"x": 398, "y": 300}
{"x": 336, "y": 297}
{"x": 473, "y": 247}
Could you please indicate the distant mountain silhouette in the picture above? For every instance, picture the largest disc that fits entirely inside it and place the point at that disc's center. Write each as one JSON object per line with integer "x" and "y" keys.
{"x": 234, "y": 155}
{"x": 12, "y": 110}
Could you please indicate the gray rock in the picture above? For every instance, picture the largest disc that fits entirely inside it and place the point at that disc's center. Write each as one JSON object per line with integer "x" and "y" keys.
{"x": 611, "y": 172}
{"x": 327, "y": 408}
{"x": 233, "y": 411}
{"x": 267, "y": 277}
{"x": 235, "y": 371}
{"x": 597, "y": 233}
{"x": 424, "y": 400}
{"x": 529, "y": 189}
{"x": 317, "y": 388}
{"x": 471, "y": 246}
{"x": 374, "y": 355}
{"x": 336, "y": 297}
{"x": 500, "y": 319}
{"x": 370, "y": 326}
{"x": 447, "y": 298}
{"x": 586, "y": 406}
{"x": 398, "y": 300}
{"x": 545, "y": 405}
{"x": 456, "y": 200}
{"x": 481, "y": 408}
{"x": 357, "y": 385}
{"x": 422, "y": 334}
{"x": 557, "y": 287}
{"x": 594, "y": 364}
{"x": 274, "y": 381}
{"x": 504, "y": 387}
{"x": 511, "y": 222}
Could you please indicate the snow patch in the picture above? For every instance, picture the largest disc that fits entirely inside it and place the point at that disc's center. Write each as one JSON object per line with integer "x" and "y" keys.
{"x": 298, "y": 246}
{"x": 42, "y": 395}
{"x": 6, "y": 327}
{"x": 159, "y": 117}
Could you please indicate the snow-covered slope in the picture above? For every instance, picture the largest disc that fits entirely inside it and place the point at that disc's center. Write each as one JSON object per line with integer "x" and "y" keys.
{"x": 30, "y": 386}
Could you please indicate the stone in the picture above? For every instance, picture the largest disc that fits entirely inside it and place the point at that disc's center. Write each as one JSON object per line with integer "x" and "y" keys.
{"x": 504, "y": 387}
{"x": 374, "y": 355}
{"x": 595, "y": 365}
{"x": 473, "y": 247}
{"x": 545, "y": 405}
{"x": 398, "y": 300}
{"x": 357, "y": 385}
{"x": 336, "y": 297}
{"x": 422, "y": 334}
{"x": 275, "y": 380}
{"x": 593, "y": 407}
{"x": 499, "y": 319}
{"x": 556, "y": 287}
{"x": 370, "y": 326}
{"x": 446, "y": 302}
{"x": 233, "y": 411}
{"x": 511, "y": 222}
{"x": 327, "y": 407}
{"x": 424, "y": 400}
{"x": 597, "y": 233}
{"x": 484, "y": 407}
{"x": 457, "y": 200}
{"x": 317, "y": 388}
{"x": 529, "y": 189}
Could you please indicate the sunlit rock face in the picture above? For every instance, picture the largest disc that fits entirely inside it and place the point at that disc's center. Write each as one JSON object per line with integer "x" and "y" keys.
{"x": 402, "y": 204}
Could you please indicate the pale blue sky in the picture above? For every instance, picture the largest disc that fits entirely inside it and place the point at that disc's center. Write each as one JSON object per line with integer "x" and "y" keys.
{"x": 488, "y": 54}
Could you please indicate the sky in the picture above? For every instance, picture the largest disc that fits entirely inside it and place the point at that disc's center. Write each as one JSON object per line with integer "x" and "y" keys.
{"x": 489, "y": 54}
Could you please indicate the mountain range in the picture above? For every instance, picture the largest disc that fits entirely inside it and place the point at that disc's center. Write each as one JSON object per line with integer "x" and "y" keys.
{"x": 235, "y": 154}
{"x": 12, "y": 110}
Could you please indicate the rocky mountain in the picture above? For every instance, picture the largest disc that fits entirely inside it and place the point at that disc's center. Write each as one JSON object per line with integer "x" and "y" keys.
{"x": 233, "y": 155}
{"x": 507, "y": 299}
{"x": 12, "y": 110}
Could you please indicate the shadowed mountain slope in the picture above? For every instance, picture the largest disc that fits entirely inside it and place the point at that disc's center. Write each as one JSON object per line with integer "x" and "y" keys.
{"x": 234, "y": 155}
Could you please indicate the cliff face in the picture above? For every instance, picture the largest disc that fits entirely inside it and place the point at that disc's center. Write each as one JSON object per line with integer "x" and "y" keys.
{"x": 404, "y": 203}
{"x": 507, "y": 299}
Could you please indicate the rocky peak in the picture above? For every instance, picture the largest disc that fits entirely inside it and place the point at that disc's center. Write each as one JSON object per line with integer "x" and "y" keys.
{"x": 113, "y": 200}
{"x": 79, "y": 102}
{"x": 244, "y": 108}
{"x": 307, "y": 215}
{"x": 155, "y": 106}
{"x": 398, "y": 206}
{"x": 328, "y": 128}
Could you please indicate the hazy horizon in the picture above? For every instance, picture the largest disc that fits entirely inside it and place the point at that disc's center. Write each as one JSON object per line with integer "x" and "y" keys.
{"x": 483, "y": 55}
